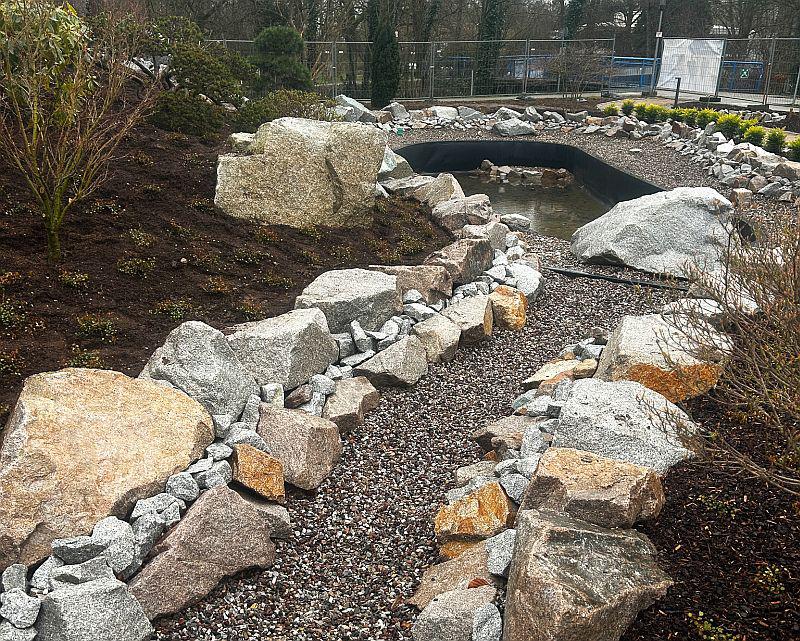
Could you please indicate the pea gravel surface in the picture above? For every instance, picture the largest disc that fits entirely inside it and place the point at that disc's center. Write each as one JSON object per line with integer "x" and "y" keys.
{"x": 362, "y": 542}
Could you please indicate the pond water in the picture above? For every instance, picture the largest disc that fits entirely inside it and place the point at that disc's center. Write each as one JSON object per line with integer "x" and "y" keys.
{"x": 553, "y": 211}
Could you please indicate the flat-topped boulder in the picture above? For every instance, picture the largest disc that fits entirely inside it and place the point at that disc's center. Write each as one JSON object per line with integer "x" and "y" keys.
{"x": 220, "y": 535}
{"x": 594, "y": 488}
{"x": 441, "y": 189}
{"x": 660, "y": 233}
{"x": 287, "y": 349}
{"x": 336, "y": 163}
{"x": 478, "y": 515}
{"x": 470, "y": 210}
{"x": 82, "y": 444}
{"x": 399, "y": 365}
{"x": 573, "y": 580}
{"x": 353, "y": 398}
{"x": 473, "y": 316}
{"x": 660, "y": 356}
{"x": 439, "y": 336}
{"x": 454, "y": 615}
{"x": 394, "y": 166}
{"x": 197, "y": 359}
{"x": 432, "y": 281}
{"x": 465, "y": 259}
{"x": 346, "y": 295}
{"x": 509, "y": 308}
{"x": 308, "y": 446}
{"x": 623, "y": 420}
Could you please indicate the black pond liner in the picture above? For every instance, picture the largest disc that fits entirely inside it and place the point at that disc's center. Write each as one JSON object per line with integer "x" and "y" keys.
{"x": 605, "y": 182}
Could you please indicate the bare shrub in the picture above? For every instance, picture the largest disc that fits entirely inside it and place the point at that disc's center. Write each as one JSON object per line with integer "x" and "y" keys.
{"x": 65, "y": 102}
{"x": 755, "y": 299}
{"x": 579, "y": 66}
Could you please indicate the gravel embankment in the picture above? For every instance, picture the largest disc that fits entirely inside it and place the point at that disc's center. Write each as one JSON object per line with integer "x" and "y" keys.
{"x": 363, "y": 541}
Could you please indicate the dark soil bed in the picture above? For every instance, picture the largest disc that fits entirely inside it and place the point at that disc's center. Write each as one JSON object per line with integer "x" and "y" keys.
{"x": 730, "y": 543}
{"x": 151, "y": 250}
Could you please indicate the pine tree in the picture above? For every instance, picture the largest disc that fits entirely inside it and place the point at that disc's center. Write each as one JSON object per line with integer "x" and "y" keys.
{"x": 385, "y": 64}
{"x": 279, "y": 52}
{"x": 492, "y": 27}
{"x": 573, "y": 18}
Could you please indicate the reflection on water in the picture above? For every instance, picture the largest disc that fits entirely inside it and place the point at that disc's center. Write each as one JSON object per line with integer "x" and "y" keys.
{"x": 553, "y": 211}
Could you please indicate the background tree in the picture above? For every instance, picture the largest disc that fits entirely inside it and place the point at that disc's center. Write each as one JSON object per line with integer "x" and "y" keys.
{"x": 279, "y": 59}
{"x": 64, "y": 102}
{"x": 573, "y": 18}
{"x": 385, "y": 63}
{"x": 492, "y": 26}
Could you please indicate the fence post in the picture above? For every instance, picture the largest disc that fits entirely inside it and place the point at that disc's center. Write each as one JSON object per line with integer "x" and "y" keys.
{"x": 611, "y": 66}
{"x": 769, "y": 71}
{"x": 334, "y": 47}
{"x": 796, "y": 85}
{"x": 525, "y": 72}
{"x": 433, "y": 68}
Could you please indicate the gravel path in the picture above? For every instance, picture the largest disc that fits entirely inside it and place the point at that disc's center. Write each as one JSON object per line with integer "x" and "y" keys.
{"x": 363, "y": 541}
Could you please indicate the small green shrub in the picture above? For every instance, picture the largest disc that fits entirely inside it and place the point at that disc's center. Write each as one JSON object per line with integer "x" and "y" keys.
{"x": 278, "y": 282}
{"x": 85, "y": 358}
{"x": 705, "y": 116}
{"x": 628, "y": 106}
{"x": 611, "y": 110}
{"x": 251, "y": 310}
{"x": 216, "y": 286}
{"x": 76, "y": 280}
{"x": 10, "y": 363}
{"x": 640, "y": 108}
{"x": 708, "y": 631}
{"x": 776, "y": 139}
{"x": 141, "y": 238}
{"x": 245, "y": 256}
{"x": 729, "y": 125}
{"x": 755, "y": 135}
{"x": 175, "y": 309}
{"x": 279, "y": 52}
{"x": 12, "y": 315}
{"x": 187, "y": 114}
{"x": 139, "y": 267}
{"x": 690, "y": 117}
{"x": 95, "y": 326}
{"x": 794, "y": 149}
{"x": 746, "y": 124}
{"x": 280, "y": 104}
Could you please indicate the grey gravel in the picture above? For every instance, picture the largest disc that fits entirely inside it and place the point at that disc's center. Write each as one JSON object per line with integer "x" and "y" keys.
{"x": 362, "y": 542}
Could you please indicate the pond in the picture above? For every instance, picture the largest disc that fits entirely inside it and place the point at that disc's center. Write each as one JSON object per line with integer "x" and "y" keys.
{"x": 553, "y": 211}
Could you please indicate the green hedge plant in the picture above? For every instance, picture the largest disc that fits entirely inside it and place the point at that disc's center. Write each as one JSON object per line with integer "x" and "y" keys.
{"x": 729, "y": 125}
{"x": 280, "y": 104}
{"x": 794, "y": 149}
{"x": 628, "y": 106}
{"x": 776, "y": 139}
{"x": 705, "y": 116}
{"x": 611, "y": 110}
{"x": 755, "y": 135}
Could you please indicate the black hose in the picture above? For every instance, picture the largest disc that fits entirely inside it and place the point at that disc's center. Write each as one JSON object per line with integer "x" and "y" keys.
{"x": 572, "y": 273}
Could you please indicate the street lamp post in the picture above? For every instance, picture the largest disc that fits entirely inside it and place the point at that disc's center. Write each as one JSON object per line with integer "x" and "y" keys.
{"x": 658, "y": 42}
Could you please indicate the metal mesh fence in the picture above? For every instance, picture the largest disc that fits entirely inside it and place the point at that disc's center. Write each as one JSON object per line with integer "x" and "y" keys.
{"x": 753, "y": 71}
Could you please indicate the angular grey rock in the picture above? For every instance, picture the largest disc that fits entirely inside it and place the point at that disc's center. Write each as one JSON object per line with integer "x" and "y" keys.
{"x": 393, "y": 166}
{"x": 250, "y": 411}
{"x": 465, "y": 474}
{"x": 222, "y": 424}
{"x": 433, "y": 282}
{"x": 101, "y": 609}
{"x": 308, "y": 446}
{"x": 529, "y": 280}
{"x": 247, "y": 436}
{"x": 90, "y": 570}
{"x": 362, "y": 342}
{"x": 406, "y": 186}
{"x": 198, "y": 360}
{"x": 473, "y": 316}
{"x": 623, "y": 420}
{"x": 322, "y": 384}
{"x": 532, "y": 441}
{"x": 660, "y": 233}
{"x": 494, "y": 231}
{"x": 401, "y": 364}
{"x": 353, "y": 398}
{"x": 345, "y": 295}
{"x": 398, "y": 111}
{"x": 287, "y": 349}
{"x": 14, "y": 576}
{"x": 465, "y": 259}
{"x": 221, "y": 535}
{"x": 147, "y": 530}
{"x": 220, "y": 473}
{"x": 514, "y": 127}
{"x": 516, "y": 222}
{"x": 573, "y": 580}
{"x": 274, "y": 392}
{"x": 418, "y": 311}
{"x": 510, "y": 430}
{"x": 451, "y": 616}
{"x": 77, "y": 549}
{"x": 476, "y": 482}
{"x": 458, "y": 212}
{"x": 504, "y": 113}
{"x": 488, "y": 624}
{"x": 157, "y": 504}
{"x": 531, "y": 115}
{"x": 117, "y": 537}
{"x": 183, "y": 486}
{"x": 218, "y": 452}
{"x": 500, "y": 550}
{"x": 360, "y": 112}
{"x": 10, "y": 633}
{"x": 40, "y": 580}
{"x": 442, "y": 188}
{"x": 514, "y": 485}
{"x": 439, "y": 336}
{"x": 19, "y": 608}
{"x": 276, "y": 516}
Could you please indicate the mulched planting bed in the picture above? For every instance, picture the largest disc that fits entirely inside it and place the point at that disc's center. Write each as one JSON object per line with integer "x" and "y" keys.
{"x": 150, "y": 250}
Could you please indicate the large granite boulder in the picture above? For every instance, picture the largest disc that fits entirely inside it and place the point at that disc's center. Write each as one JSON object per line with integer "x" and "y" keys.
{"x": 82, "y": 444}
{"x": 287, "y": 349}
{"x": 353, "y": 398}
{"x": 356, "y": 112}
{"x": 495, "y": 232}
{"x": 198, "y": 360}
{"x": 625, "y": 421}
{"x": 458, "y": 212}
{"x": 439, "y": 336}
{"x": 473, "y": 316}
{"x": 655, "y": 353}
{"x": 573, "y": 580}
{"x": 594, "y": 488}
{"x": 346, "y": 295}
{"x": 514, "y": 127}
{"x": 221, "y": 535}
{"x": 432, "y": 281}
{"x": 336, "y": 163}
{"x": 660, "y": 233}
{"x": 509, "y": 308}
{"x": 307, "y": 445}
{"x": 465, "y": 259}
{"x": 478, "y": 515}
{"x": 399, "y": 365}
{"x": 101, "y": 609}
{"x": 442, "y": 188}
